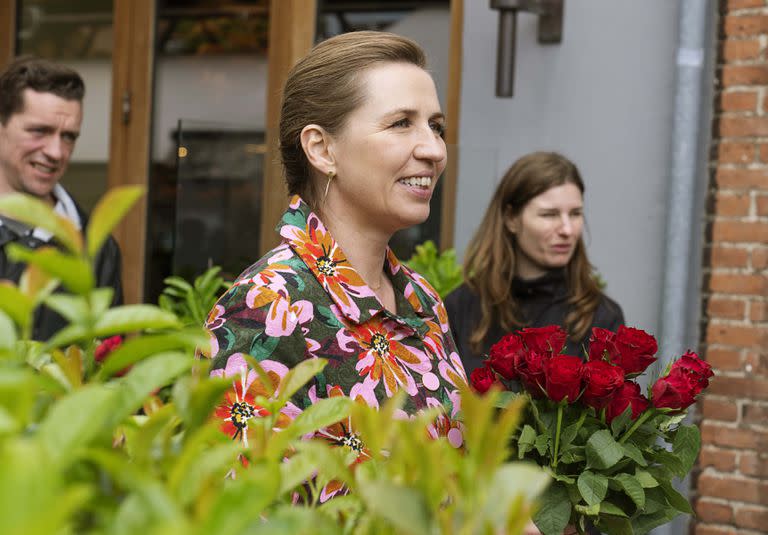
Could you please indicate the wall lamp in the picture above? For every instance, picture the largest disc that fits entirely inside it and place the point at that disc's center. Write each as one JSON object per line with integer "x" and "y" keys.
{"x": 550, "y": 14}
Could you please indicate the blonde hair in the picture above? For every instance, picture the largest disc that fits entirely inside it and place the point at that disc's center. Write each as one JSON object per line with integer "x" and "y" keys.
{"x": 324, "y": 87}
{"x": 490, "y": 258}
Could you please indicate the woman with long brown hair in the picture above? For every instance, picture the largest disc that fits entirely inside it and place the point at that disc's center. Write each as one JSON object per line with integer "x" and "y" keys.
{"x": 527, "y": 265}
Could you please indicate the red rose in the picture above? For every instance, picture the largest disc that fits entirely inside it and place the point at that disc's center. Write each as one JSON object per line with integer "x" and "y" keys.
{"x": 627, "y": 395}
{"x": 636, "y": 349}
{"x": 106, "y": 347}
{"x": 482, "y": 379}
{"x": 550, "y": 339}
{"x": 531, "y": 371}
{"x": 504, "y": 355}
{"x": 602, "y": 380}
{"x": 564, "y": 375}
{"x": 696, "y": 370}
{"x": 675, "y": 391}
{"x": 602, "y": 345}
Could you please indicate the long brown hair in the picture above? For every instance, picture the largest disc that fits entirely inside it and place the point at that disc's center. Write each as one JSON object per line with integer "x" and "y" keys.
{"x": 489, "y": 265}
{"x": 324, "y": 87}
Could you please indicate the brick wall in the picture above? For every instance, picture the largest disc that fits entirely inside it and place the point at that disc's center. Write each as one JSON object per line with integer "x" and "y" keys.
{"x": 732, "y": 485}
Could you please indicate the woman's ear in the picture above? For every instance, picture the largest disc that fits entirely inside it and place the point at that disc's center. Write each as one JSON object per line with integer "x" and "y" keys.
{"x": 511, "y": 222}
{"x": 316, "y": 143}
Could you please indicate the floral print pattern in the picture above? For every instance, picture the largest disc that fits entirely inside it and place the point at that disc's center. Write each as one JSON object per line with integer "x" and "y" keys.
{"x": 304, "y": 300}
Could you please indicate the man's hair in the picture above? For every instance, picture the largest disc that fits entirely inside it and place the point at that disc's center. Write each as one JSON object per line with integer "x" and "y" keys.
{"x": 38, "y": 75}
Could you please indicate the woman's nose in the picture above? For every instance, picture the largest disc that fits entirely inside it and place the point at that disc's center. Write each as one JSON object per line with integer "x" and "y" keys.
{"x": 430, "y": 146}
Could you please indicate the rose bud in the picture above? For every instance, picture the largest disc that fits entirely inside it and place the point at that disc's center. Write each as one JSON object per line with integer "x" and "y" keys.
{"x": 602, "y": 380}
{"x": 550, "y": 339}
{"x": 696, "y": 370}
{"x": 504, "y": 355}
{"x": 106, "y": 347}
{"x": 564, "y": 375}
{"x": 627, "y": 395}
{"x": 636, "y": 350}
{"x": 482, "y": 379}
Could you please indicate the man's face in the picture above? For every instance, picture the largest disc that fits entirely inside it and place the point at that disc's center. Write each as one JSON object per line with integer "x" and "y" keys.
{"x": 37, "y": 142}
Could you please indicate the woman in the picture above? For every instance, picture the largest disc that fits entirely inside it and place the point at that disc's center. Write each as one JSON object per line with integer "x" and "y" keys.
{"x": 361, "y": 142}
{"x": 527, "y": 265}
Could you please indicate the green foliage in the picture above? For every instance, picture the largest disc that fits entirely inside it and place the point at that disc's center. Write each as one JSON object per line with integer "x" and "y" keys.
{"x": 441, "y": 270}
{"x": 86, "y": 446}
{"x": 620, "y": 479}
{"x": 191, "y": 302}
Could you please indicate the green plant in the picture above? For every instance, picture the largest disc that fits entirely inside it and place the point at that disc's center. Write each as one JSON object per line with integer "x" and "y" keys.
{"x": 191, "y": 302}
{"x": 442, "y": 270}
{"x": 84, "y": 450}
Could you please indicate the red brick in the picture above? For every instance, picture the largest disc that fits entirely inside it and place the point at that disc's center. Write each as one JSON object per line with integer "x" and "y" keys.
{"x": 735, "y": 126}
{"x": 733, "y": 5}
{"x": 733, "y": 488}
{"x": 712, "y": 511}
{"x": 729, "y": 256}
{"x": 702, "y": 529}
{"x": 735, "y": 152}
{"x": 752, "y": 464}
{"x": 739, "y": 387}
{"x": 719, "y": 459}
{"x": 752, "y": 517}
{"x": 760, "y": 258}
{"x": 758, "y": 362}
{"x": 724, "y": 359}
{"x": 764, "y": 151}
{"x": 755, "y": 414}
{"x": 745, "y": 25}
{"x": 742, "y": 178}
{"x": 735, "y": 283}
{"x": 742, "y": 49}
{"x": 740, "y": 231}
{"x": 762, "y": 205}
{"x": 732, "y": 437}
{"x": 715, "y": 409}
{"x": 758, "y": 311}
{"x": 726, "y": 308}
{"x": 745, "y": 75}
{"x": 732, "y": 204}
{"x": 738, "y": 101}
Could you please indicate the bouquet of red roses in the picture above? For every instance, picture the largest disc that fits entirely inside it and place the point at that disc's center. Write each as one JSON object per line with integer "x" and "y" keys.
{"x": 611, "y": 450}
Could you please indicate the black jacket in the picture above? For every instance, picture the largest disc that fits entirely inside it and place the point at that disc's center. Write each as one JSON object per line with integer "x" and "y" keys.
{"x": 542, "y": 301}
{"x": 107, "y": 271}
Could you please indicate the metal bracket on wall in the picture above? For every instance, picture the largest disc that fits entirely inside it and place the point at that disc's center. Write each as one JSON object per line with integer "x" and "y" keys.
{"x": 550, "y": 14}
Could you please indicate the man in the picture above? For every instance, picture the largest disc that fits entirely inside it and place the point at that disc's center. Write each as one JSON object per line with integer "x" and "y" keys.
{"x": 40, "y": 115}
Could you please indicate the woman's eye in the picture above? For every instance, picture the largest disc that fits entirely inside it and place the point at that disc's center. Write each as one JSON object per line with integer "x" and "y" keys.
{"x": 402, "y": 123}
{"x": 438, "y": 128}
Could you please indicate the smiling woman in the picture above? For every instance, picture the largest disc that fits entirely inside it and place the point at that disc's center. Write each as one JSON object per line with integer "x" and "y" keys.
{"x": 528, "y": 266}
{"x": 362, "y": 148}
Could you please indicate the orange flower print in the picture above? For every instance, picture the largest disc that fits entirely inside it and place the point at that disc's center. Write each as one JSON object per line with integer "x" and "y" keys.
{"x": 324, "y": 257}
{"x": 385, "y": 357}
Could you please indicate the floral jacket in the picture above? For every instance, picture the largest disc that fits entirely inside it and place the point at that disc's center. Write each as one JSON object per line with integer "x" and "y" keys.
{"x": 304, "y": 300}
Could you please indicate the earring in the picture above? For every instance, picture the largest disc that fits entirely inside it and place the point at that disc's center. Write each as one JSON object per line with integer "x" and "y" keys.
{"x": 331, "y": 176}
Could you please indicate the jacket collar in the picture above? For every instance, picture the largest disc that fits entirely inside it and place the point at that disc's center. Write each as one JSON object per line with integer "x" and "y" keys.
{"x": 550, "y": 285}
{"x": 305, "y": 233}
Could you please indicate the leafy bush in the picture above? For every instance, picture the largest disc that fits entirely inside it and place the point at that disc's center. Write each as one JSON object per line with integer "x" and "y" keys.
{"x": 442, "y": 270}
{"x": 84, "y": 449}
{"x": 191, "y": 302}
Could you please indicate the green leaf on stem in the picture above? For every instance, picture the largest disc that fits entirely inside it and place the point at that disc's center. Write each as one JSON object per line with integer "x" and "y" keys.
{"x": 554, "y": 510}
{"x": 675, "y": 499}
{"x": 614, "y": 525}
{"x": 686, "y": 445}
{"x": 609, "y": 508}
{"x": 632, "y": 487}
{"x": 526, "y": 441}
{"x": 646, "y": 480}
{"x": 593, "y": 487}
{"x": 621, "y": 422}
{"x": 110, "y": 209}
{"x": 74, "y": 272}
{"x": 634, "y": 453}
{"x": 402, "y": 506}
{"x": 603, "y": 451}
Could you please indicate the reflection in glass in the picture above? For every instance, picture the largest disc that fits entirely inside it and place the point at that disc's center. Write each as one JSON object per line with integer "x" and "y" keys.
{"x": 209, "y": 100}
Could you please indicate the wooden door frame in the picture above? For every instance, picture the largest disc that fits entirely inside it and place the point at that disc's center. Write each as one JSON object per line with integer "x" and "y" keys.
{"x": 8, "y": 22}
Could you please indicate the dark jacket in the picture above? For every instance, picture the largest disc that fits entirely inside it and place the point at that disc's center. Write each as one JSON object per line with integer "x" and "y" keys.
{"x": 106, "y": 270}
{"x": 542, "y": 301}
